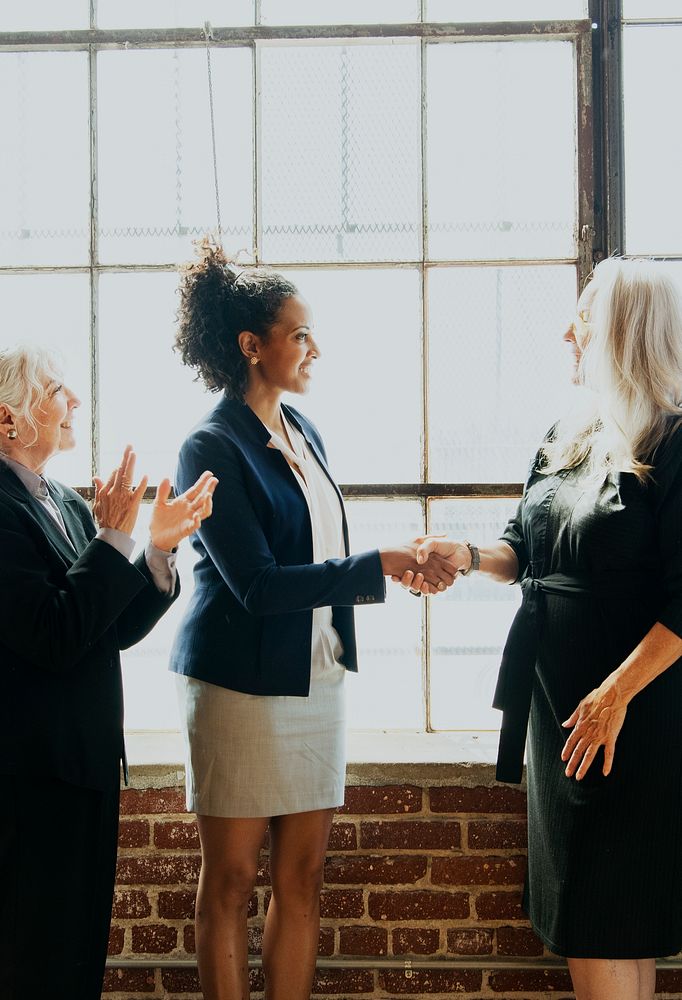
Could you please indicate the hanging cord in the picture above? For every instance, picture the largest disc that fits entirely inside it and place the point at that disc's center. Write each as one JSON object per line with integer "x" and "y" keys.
{"x": 208, "y": 35}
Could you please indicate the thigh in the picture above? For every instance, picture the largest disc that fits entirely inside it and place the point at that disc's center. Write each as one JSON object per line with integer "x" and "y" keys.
{"x": 60, "y": 862}
{"x": 298, "y": 843}
{"x": 230, "y": 848}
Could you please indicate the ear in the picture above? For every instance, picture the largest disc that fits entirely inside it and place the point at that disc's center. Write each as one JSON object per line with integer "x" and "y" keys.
{"x": 6, "y": 419}
{"x": 248, "y": 344}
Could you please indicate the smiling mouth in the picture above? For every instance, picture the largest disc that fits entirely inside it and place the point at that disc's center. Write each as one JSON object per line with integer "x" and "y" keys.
{"x": 66, "y": 426}
{"x": 306, "y": 370}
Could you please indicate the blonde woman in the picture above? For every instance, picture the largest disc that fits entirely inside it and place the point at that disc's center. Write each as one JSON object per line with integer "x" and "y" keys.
{"x": 593, "y": 656}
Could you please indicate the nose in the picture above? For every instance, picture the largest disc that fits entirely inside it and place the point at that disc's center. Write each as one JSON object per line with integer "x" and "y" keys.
{"x": 73, "y": 401}
{"x": 313, "y": 348}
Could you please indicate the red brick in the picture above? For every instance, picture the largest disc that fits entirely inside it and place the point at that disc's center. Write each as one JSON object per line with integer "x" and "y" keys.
{"x": 325, "y": 944}
{"x": 431, "y": 981}
{"x": 254, "y": 938}
{"x": 415, "y": 941}
{"x": 368, "y": 799}
{"x": 379, "y": 870}
{"x": 499, "y": 906}
{"x": 540, "y": 981}
{"x": 176, "y": 905}
{"x": 165, "y": 870}
{"x": 669, "y": 981}
{"x": 470, "y": 941}
{"x": 363, "y": 941}
{"x": 143, "y": 801}
{"x": 336, "y": 981}
{"x": 189, "y": 939}
{"x": 497, "y": 835}
{"x": 498, "y": 799}
{"x": 131, "y": 904}
{"x": 475, "y": 870}
{"x": 116, "y": 938}
{"x": 341, "y": 903}
{"x": 418, "y": 905}
{"x": 155, "y": 939}
{"x": 129, "y": 981}
{"x": 176, "y": 834}
{"x": 519, "y": 941}
{"x": 181, "y": 981}
{"x": 133, "y": 833}
{"x": 343, "y": 837}
{"x": 411, "y": 835}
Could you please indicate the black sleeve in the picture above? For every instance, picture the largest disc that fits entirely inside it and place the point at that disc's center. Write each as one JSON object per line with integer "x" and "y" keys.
{"x": 141, "y": 615}
{"x": 668, "y": 486}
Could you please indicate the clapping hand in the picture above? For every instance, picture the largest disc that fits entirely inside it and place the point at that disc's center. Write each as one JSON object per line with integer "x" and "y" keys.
{"x": 117, "y": 502}
{"x": 175, "y": 519}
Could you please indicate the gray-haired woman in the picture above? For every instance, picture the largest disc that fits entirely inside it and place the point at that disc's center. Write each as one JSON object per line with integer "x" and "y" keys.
{"x": 70, "y": 599}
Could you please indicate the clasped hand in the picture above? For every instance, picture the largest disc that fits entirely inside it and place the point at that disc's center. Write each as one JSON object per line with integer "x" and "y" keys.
{"x": 438, "y": 562}
{"x": 117, "y": 504}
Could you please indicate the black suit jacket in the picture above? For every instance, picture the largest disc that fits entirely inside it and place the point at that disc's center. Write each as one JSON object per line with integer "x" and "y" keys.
{"x": 248, "y": 625}
{"x": 64, "y": 616}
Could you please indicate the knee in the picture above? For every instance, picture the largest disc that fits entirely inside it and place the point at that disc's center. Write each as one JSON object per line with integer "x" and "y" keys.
{"x": 228, "y": 888}
{"x": 302, "y": 879}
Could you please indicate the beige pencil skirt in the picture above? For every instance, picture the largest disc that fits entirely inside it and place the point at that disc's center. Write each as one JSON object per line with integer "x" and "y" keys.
{"x": 264, "y": 755}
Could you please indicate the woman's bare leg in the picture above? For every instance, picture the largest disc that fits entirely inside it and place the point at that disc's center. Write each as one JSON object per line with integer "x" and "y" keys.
{"x": 613, "y": 979}
{"x": 230, "y": 850}
{"x": 298, "y": 844}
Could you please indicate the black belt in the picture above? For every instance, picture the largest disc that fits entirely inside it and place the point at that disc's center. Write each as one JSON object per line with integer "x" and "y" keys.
{"x": 514, "y": 688}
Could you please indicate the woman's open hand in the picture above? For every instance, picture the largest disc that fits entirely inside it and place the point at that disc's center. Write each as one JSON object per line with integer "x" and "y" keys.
{"x": 117, "y": 502}
{"x": 175, "y": 519}
{"x": 596, "y": 722}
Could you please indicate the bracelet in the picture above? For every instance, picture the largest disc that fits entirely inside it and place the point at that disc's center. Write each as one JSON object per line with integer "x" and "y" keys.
{"x": 475, "y": 559}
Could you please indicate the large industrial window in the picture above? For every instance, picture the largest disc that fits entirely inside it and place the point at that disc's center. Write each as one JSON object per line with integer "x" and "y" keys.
{"x": 424, "y": 172}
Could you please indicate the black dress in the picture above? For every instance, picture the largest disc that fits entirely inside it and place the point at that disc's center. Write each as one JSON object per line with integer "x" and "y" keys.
{"x": 600, "y": 563}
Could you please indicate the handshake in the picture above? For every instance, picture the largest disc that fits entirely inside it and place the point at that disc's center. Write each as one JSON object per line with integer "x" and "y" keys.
{"x": 428, "y": 565}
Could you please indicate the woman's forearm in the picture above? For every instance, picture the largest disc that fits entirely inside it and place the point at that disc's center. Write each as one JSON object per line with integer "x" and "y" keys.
{"x": 499, "y": 562}
{"x": 657, "y": 651}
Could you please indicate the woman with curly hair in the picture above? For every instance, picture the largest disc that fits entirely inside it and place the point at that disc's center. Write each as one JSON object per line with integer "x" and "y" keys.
{"x": 263, "y": 649}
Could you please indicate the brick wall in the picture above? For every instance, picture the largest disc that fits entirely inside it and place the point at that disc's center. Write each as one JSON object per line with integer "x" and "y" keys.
{"x": 424, "y": 861}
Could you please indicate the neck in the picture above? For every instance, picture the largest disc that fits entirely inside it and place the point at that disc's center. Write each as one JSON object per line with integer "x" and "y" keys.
{"x": 265, "y": 403}
{"x": 24, "y": 457}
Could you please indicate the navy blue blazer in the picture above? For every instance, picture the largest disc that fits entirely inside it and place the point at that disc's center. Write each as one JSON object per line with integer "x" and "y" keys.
{"x": 248, "y": 626}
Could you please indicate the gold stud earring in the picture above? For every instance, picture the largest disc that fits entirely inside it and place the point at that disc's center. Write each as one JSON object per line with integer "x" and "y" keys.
{"x": 254, "y": 360}
{"x": 12, "y": 434}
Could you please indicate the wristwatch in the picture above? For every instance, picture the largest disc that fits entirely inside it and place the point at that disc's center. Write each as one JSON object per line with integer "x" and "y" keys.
{"x": 475, "y": 559}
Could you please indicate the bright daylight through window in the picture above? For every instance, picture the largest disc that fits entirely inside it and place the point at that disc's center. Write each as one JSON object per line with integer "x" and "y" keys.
{"x": 432, "y": 193}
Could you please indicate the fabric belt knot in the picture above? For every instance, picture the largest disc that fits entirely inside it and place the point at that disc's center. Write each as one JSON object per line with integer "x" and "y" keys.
{"x": 514, "y": 688}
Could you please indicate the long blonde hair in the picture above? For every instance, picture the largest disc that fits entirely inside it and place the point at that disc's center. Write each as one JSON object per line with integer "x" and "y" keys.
{"x": 23, "y": 371}
{"x": 631, "y": 370}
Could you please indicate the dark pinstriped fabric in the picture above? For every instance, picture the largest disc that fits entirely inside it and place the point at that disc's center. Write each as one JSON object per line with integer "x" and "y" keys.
{"x": 605, "y": 854}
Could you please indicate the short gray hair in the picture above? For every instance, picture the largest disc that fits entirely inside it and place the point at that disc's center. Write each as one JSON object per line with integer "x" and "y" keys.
{"x": 23, "y": 370}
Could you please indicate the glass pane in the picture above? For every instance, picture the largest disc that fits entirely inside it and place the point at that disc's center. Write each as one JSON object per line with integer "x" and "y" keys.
{"x": 505, "y": 10}
{"x": 499, "y": 372}
{"x": 341, "y": 152}
{"x": 366, "y": 395}
{"x": 652, "y": 8}
{"x": 470, "y": 622}
{"x": 502, "y": 159}
{"x": 147, "y": 397}
{"x": 173, "y": 14}
{"x": 387, "y": 691}
{"x": 44, "y": 15}
{"x": 339, "y": 11}
{"x": 53, "y": 311}
{"x": 44, "y": 158}
{"x": 652, "y": 73}
{"x": 149, "y": 687}
{"x": 156, "y": 185}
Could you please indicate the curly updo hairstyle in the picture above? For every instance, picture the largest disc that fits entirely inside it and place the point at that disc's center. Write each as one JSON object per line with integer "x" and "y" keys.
{"x": 216, "y": 304}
